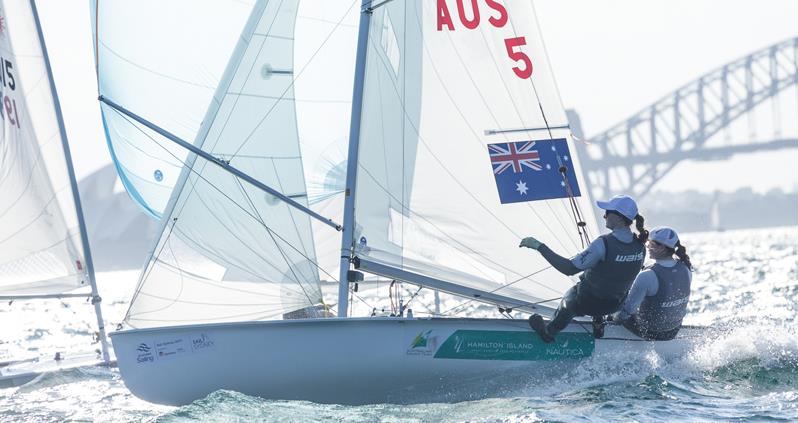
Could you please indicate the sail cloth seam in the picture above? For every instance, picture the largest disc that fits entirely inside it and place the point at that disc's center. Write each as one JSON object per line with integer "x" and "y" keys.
{"x": 33, "y": 168}
{"x": 548, "y": 128}
{"x": 148, "y": 269}
{"x": 39, "y": 216}
{"x": 504, "y": 134}
{"x": 476, "y": 137}
{"x": 294, "y": 99}
{"x": 174, "y": 226}
{"x": 174, "y": 300}
{"x": 226, "y": 121}
{"x": 279, "y": 247}
{"x": 214, "y": 186}
{"x": 32, "y": 253}
{"x": 576, "y": 212}
{"x": 466, "y": 249}
{"x": 294, "y": 79}
{"x": 205, "y": 281}
{"x": 172, "y": 204}
{"x": 423, "y": 142}
{"x": 221, "y": 163}
{"x": 143, "y": 132}
{"x": 313, "y": 18}
{"x": 146, "y": 69}
{"x": 221, "y": 222}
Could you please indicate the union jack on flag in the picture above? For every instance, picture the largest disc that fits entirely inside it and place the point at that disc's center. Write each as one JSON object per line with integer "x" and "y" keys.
{"x": 547, "y": 159}
{"x": 514, "y": 155}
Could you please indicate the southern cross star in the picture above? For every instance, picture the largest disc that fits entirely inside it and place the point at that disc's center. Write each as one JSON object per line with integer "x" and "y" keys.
{"x": 521, "y": 187}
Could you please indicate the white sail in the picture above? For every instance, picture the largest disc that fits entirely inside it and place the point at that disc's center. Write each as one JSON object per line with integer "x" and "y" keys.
{"x": 164, "y": 60}
{"x": 442, "y": 82}
{"x": 40, "y": 243}
{"x": 229, "y": 251}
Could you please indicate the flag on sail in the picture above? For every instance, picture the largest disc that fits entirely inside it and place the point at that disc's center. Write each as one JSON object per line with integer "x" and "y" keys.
{"x": 531, "y": 170}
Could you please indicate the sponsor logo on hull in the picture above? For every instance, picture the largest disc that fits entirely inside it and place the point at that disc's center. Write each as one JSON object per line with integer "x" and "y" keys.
{"x": 171, "y": 348}
{"x": 515, "y": 345}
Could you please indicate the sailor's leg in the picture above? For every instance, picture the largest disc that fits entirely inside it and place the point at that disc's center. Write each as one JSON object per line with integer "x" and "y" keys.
{"x": 567, "y": 310}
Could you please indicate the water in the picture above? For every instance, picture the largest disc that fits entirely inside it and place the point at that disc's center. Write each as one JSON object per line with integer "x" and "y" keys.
{"x": 746, "y": 285}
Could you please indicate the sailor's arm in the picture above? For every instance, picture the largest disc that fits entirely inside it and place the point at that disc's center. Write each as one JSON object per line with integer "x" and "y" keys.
{"x": 644, "y": 285}
{"x": 584, "y": 260}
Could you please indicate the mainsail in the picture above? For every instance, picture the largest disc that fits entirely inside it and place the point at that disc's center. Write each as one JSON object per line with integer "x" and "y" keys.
{"x": 229, "y": 251}
{"x": 442, "y": 81}
{"x": 41, "y": 249}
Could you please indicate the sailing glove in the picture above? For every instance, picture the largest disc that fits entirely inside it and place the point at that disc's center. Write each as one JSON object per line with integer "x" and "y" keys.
{"x": 530, "y": 242}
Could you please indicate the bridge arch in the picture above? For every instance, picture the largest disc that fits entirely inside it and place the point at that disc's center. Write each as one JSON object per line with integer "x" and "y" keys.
{"x": 631, "y": 156}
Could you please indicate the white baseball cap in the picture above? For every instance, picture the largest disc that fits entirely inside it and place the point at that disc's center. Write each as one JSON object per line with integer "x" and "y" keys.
{"x": 664, "y": 235}
{"x": 623, "y": 204}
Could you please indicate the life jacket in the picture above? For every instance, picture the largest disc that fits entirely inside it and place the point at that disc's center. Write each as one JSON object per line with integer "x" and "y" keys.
{"x": 611, "y": 278}
{"x": 665, "y": 310}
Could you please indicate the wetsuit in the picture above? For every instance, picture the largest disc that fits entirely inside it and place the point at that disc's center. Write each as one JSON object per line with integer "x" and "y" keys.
{"x": 610, "y": 265}
{"x": 657, "y": 301}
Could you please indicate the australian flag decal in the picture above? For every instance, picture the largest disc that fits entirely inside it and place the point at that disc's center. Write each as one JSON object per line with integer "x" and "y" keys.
{"x": 530, "y": 170}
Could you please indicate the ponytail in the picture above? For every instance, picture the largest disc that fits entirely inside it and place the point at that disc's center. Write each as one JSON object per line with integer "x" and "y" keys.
{"x": 642, "y": 233}
{"x": 681, "y": 253}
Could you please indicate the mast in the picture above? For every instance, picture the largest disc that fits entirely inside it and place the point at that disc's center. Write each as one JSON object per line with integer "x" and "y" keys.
{"x": 84, "y": 236}
{"x": 348, "y": 236}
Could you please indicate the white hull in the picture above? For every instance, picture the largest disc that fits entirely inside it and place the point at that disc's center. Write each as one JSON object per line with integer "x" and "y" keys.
{"x": 356, "y": 361}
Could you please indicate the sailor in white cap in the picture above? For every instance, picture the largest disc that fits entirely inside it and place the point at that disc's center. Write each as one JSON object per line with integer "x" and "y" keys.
{"x": 657, "y": 302}
{"x": 609, "y": 265}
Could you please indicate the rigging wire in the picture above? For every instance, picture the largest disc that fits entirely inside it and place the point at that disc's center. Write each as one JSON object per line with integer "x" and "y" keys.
{"x": 505, "y": 286}
{"x": 199, "y": 175}
{"x": 576, "y": 212}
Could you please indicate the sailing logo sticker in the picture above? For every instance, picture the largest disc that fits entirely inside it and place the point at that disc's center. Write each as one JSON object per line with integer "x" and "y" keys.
{"x": 145, "y": 354}
{"x": 425, "y": 343}
{"x": 201, "y": 342}
{"x": 533, "y": 170}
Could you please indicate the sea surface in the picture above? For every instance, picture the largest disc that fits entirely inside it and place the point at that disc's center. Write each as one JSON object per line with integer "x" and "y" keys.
{"x": 745, "y": 286}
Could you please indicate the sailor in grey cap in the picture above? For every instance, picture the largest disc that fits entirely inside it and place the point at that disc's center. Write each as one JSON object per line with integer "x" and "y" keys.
{"x": 657, "y": 302}
{"x": 609, "y": 265}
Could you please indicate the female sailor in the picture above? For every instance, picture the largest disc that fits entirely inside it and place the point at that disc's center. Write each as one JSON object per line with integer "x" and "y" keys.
{"x": 657, "y": 302}
{"x": 609, "y": 265}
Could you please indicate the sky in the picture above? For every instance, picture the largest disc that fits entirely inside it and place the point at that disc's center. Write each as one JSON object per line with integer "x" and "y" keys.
{"x": 611, "y": 58}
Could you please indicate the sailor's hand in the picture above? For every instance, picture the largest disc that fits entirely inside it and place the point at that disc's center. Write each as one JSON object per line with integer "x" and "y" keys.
{"x": 530, "y": 242}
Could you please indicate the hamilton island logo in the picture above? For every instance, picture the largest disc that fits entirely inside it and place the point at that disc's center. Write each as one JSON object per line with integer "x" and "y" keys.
{"x": 425, "y": 343}
{"x": 145, "y": 354}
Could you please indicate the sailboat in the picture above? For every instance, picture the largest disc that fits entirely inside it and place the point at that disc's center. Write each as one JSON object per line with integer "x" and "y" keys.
{"x": 44, "y": 250}
{"x": 444, "y": 99}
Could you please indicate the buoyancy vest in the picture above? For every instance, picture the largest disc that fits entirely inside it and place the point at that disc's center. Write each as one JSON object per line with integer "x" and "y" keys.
{"x": 665, "y": 310}
{"x": 611, "y": 278}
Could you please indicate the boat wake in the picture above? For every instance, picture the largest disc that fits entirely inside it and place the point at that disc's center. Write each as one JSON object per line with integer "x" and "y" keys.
{"x": 755, "y": 358}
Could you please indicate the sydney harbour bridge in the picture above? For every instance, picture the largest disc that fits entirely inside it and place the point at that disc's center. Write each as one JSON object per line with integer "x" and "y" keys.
{"x": 687, "y": 124}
